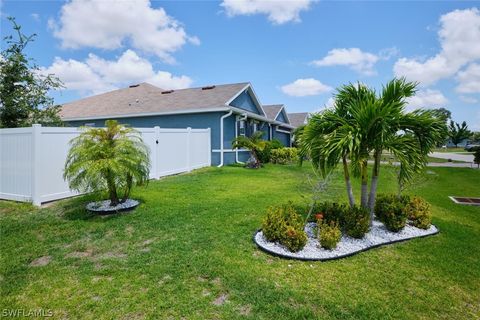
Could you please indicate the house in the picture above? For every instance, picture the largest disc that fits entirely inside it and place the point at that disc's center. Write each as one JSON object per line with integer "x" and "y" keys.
{"x": 229, "y": 110}
{"x": 298, "y": 119}
{"x": 282, "y": 131}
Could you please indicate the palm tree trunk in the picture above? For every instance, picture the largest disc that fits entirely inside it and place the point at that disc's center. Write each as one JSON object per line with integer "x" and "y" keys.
{"x": 257, "y": 162}
{"x": 374, "y": 183}
{"x": 348, "y": 182}
{"x": 364, "y": 187}
{"x": 112, "y": 189}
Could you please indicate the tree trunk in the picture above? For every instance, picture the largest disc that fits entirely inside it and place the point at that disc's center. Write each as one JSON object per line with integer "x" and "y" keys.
{"x": 348, "y": 183}
{"x": 112, "y": 189}
{"x": 374, "y": 183}
{"x": 364, "y": 187}
{"x": 257, "y": 161}
{"x": 128, "y": 187}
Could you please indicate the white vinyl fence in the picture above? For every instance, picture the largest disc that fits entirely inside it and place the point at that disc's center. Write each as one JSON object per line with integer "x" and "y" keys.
{"x": 32, "y": 159}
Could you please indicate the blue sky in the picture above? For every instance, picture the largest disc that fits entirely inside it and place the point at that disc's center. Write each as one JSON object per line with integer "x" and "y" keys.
{"x": 293, "y": 52}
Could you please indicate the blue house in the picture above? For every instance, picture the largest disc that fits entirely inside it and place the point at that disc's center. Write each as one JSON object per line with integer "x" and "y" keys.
{"x": 229, "y": 110}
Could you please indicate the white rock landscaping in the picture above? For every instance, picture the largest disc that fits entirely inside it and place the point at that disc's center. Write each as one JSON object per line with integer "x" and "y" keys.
{"x": 377, "y": 236}
{"x": 104, "y": 206}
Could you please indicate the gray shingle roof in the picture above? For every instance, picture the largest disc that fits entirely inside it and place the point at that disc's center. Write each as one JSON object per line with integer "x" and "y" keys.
{"x": 272, "y": 110}
{"x": 146, "y": 98}
{"x": 298, "y": 119}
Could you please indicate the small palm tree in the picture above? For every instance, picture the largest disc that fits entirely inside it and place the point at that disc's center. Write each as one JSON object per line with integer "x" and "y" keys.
{"x": 113, "y": 158}
{"x": 362, "y": 123}
{"x": 254, "y": 144}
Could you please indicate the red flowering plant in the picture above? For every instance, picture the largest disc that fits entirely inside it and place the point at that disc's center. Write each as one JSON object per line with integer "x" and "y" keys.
{"x": 319, "y": 216}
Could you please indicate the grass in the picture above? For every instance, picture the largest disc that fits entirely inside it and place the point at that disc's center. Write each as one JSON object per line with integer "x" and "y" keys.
{"x": 187, "y": 251}
{"x": 441, "y": 160}
{"x": 451, "y": 150}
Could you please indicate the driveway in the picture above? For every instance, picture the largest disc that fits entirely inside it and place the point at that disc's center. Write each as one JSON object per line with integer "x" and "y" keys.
{"x": 453, "y": 156}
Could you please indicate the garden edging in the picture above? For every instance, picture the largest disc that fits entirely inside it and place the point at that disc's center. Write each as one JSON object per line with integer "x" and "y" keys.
{"x": 291, "y": 257}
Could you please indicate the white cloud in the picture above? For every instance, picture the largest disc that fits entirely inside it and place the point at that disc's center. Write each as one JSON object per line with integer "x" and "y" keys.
{"x": 305, "y": 87}
{"x": 278, "y": 12}
{"x": 459, "y": 37}
{"x": 35, "y": 16}
{"x": 109, "y": 25}
{"x": 468, "y": 99}
{"x": 469, "y": 79}
{"x": 428, "y": 98}
{"x": 96, "y": 75}
{"x": 362, "y": 62}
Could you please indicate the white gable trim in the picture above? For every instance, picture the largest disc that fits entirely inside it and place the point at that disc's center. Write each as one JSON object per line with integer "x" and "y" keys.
{"x": 285, "y": 114}
{"x": 253, "y": 95}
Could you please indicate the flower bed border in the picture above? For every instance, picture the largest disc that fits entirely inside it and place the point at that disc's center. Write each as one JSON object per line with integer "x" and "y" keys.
{"x": 134, "y": 204}
{"x": 280, "y": 255}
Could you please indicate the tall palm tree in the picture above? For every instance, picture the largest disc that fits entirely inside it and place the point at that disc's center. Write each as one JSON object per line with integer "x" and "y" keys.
{"x": 113, "y": 158}
{"x": 254, "y": 144}
{"x": 362, "y": 123}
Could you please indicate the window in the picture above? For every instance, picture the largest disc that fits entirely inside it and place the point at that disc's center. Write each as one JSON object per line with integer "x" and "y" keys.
{"x": 241, "y": 125}
{"x": 90, "y": 124}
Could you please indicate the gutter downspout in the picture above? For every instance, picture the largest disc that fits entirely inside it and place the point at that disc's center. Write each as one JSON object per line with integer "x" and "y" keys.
{"x": 221, "y": 136}
{"x": 242, "y": 118}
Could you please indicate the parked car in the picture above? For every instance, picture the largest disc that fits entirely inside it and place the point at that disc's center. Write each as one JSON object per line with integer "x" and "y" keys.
{"x": 472, "y": 147}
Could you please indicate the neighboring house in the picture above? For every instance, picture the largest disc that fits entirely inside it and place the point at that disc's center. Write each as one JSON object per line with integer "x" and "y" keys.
{"x": 229, "y": 110}
{"x": 461, "y": 144}
{"x": 298, "y": 119}
{"x": 282, "y": 129}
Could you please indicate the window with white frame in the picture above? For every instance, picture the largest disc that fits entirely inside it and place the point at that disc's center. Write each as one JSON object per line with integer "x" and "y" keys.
{"x": 241, "y": 127}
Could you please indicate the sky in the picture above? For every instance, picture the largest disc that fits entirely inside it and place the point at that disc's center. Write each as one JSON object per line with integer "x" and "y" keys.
{"x": 293, "y": 52}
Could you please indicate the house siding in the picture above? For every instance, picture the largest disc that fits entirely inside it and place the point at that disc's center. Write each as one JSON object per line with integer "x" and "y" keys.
{"x": 244, "y": 101}
{"x": 281, "y": 117}
{"x": 284, "y": 138}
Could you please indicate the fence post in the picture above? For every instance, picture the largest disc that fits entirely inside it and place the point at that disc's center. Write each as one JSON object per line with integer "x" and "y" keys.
{"x": 189, "y": 143}
{"x": 156, "y": 151}
{"x": 36, "y": 150}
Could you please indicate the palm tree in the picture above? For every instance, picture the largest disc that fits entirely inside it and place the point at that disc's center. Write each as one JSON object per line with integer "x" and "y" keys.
{"x": 362, "y": 123}
{"x": 113, "y": 158}
{"x": 254, "y": 144}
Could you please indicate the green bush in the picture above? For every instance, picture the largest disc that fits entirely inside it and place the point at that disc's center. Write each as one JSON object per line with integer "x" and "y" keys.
{"x": 294, "y": 239}
{"x": 284, "y": 225}
{"x": 331, "y": 211}
{"x": 418, "y": 211}
{"x": 329, "y": 234}
{"x": 389, "y": 209}
{"x": 264, "y": 155}
{"x": 356, "y": 221}
{"x": 284, "y": 155}
{"x": 476, "y": 156}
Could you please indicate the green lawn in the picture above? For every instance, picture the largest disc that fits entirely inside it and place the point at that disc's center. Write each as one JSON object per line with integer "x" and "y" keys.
{"x": 187, "y": 252}
{"x": 441, "y": 160}
{"x": 453, "y": 150}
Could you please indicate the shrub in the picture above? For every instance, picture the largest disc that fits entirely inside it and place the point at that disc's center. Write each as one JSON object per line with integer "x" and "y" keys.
{"x": 264, "y": 155}
{"x": 356, "y": 221}
{"x": 329, "y": 234}
{"x": 284, "y": 225}
{"x": 331, "y": 211}
{"x": 390, "y": 210}
{"x": 476, "y": 156}
{"x": 294, "y": 239}
{"x": 419, "y": 212}
{"x": 284, "y": 155}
